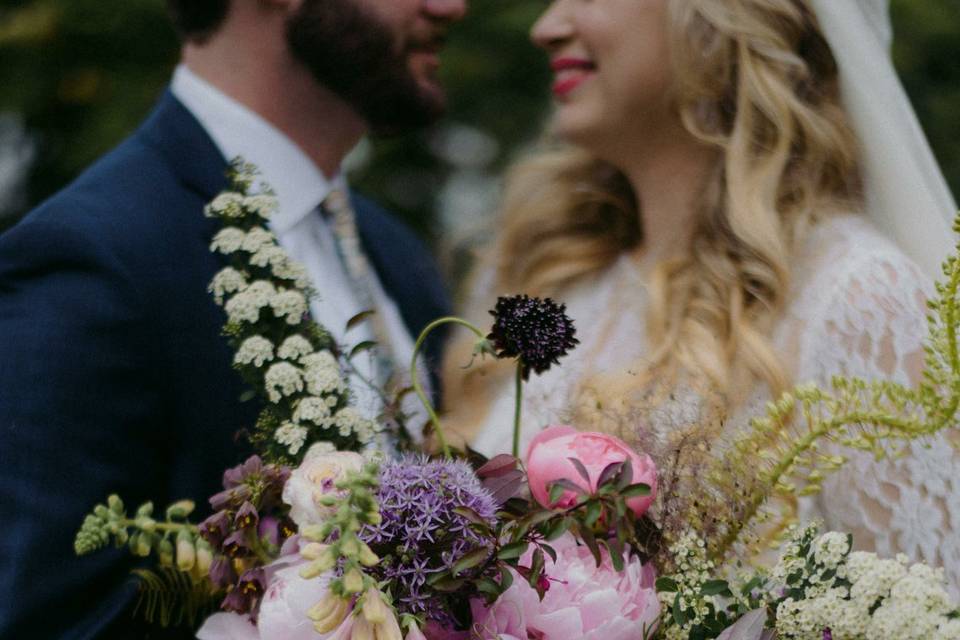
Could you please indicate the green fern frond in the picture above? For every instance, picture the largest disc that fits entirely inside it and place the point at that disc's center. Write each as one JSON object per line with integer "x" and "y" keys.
{"x": 169, "y": 597}
{"x": 879, "y": 417}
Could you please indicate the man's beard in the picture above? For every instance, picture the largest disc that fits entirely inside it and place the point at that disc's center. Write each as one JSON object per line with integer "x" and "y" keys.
{"x": 351, "y": 52}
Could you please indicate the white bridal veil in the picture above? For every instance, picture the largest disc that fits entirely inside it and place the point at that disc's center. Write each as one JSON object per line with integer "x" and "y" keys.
{"x": 907, "y": 196}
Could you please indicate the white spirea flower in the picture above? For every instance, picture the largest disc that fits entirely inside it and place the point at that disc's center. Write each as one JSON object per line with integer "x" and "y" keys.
{"x": 261, "y": 292}
{"x": 315, "y": 478}
{"x": 228, "y": 240}
{"x": 294, "y": 347}
{"x": 291, "y": 435}
{"x": 322, "y": 374}
{"x": 289, "y": 304}
{"x": 269, "y": 256}
{"x": 348, "y": 421}
{"x": 243, "y": 307}
{"x": 263, "y": 205}
{"x": 293, "y": 271}
{"x": 226, "y": 281}
{"x": 312, "y": 409}
{"x": 225, "y": 205}
{"x": 831, "y": 548}
{"x": 255, "y": 350}
{"x": 282, "y": 379}
{"x": 256, "y": 239}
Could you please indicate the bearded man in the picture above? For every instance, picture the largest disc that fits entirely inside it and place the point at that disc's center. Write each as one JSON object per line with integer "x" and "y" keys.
{"x": 114, "y": 376}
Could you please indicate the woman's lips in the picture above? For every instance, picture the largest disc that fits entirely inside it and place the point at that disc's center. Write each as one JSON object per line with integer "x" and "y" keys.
{"x": 570, "y": 73}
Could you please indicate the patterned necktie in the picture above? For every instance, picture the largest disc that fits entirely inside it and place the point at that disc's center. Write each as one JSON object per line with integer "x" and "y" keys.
{"x": 360, "y": 275}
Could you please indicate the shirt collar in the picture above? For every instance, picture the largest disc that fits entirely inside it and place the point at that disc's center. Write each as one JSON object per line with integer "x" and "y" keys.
{"x": 299, "y": 184}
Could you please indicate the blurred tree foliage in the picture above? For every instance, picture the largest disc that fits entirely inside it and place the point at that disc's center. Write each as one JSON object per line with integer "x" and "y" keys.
{"x": 83, "y": 73}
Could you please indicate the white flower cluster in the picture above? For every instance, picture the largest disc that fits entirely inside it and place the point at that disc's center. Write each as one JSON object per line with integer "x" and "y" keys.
{"x": 306, "y": 386}
{"x": 693, "y": 571}
{"x": 857, "y": 595}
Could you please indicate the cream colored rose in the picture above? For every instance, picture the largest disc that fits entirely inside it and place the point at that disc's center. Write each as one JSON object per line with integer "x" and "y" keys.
{"x": 315, "y": 478}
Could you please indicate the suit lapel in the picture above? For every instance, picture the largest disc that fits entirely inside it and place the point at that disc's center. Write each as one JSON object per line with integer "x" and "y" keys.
{"x": 188, "y": 149}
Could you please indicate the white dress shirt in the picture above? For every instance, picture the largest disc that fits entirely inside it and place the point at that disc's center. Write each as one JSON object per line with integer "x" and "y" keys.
{"x": 300, "y": 187}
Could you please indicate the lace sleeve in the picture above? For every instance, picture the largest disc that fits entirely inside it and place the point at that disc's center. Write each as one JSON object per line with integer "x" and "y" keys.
{"x": 870, "y": 322}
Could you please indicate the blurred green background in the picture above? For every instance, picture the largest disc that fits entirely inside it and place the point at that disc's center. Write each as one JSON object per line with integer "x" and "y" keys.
{"x": 78, "y": 75}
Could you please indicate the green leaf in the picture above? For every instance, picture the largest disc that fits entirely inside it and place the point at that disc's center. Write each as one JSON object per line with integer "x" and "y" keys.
{"x": 536, "y": 568}
{"x": 550, "y": 551}
{"x": 557, "y": 528}
{"x": 506, "y": 577}
{"x": 513, "y": 550}
{"x": 594, "y": 509}
{"x": 616, "y": 555}
{"x": 556, "y": 491}
{"x": 471, "y": 516}
{"x": 666, "y": 585}
{"x": 488, "y": 586}
{"x": 636, "y": 490}
{"x": 357, "y": 319}
{"x": 168, "y": 597}
{"x": 715, "y": 588}
{"x": 360, "y": 348}
{"x": 473, "y": 559}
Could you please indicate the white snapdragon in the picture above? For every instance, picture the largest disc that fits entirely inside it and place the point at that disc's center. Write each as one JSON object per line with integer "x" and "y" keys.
{"x": 293, "y": 436}
{"x": 228, "y": 240}
{"x": 227, "y": 281}
{"x": 254, "y": 350}
{"x": 312, "y": 409}
{"x": 263, "y": 205}
{"x": 289, "y": 304}
{"x": 225, "y": 205}
{"x": 294, "y": 348}
{"x": 282, "y": 379}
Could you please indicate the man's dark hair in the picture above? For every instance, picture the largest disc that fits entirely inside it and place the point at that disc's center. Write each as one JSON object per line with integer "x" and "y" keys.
{"x": 197, "y": 19}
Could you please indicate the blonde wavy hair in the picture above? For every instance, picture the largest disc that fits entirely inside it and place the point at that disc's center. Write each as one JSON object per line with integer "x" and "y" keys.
{"x": 755, "y": 80}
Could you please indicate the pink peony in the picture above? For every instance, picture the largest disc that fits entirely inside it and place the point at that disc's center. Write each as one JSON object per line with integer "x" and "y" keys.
{"x": 584, "y": 601}
{"x": 548, "y": 460}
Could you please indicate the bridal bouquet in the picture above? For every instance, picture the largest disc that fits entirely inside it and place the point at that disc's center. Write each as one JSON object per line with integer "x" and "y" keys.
{"x": 326, "y": 533}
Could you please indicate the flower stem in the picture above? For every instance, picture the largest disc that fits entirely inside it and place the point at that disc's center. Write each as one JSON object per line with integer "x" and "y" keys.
{"x": 518, "y": 405}
{"x": 415, "y": 380}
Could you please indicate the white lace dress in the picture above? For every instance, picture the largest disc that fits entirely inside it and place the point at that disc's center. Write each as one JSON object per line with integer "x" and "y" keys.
{"x": 857, "y": 308}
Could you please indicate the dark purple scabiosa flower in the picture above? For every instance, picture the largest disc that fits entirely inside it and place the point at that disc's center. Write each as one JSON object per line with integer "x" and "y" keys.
{"x": 828, "y": 634}
{"x": 420, "y": 534}
{"x": 535, "y": 331}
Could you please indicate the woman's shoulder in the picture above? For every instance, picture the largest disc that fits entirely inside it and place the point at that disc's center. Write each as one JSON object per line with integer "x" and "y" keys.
{"x": 846, "y": 252}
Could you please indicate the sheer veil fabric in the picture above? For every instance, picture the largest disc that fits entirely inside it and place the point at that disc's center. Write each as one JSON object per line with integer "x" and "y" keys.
{"x": 907, "y": 196}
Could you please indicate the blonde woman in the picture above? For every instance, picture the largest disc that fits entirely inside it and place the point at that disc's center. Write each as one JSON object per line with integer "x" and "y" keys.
{"x": 738, "y": 199}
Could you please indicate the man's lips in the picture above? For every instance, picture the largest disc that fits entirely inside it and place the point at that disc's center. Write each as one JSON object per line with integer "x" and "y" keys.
{"x": 570, "y": 73}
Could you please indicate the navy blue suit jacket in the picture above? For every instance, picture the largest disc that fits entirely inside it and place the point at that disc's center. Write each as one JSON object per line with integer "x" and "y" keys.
{"x": 113, "y": 374}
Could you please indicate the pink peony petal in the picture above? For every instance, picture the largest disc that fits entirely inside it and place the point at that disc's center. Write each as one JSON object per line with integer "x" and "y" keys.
{"x": 228, "y": 626}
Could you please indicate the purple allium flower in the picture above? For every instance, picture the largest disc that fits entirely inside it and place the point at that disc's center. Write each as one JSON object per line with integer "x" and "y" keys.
{"x": 536, "y": 331}
{"x": 420, "y": 534}
{"x": 828, "y": 634}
